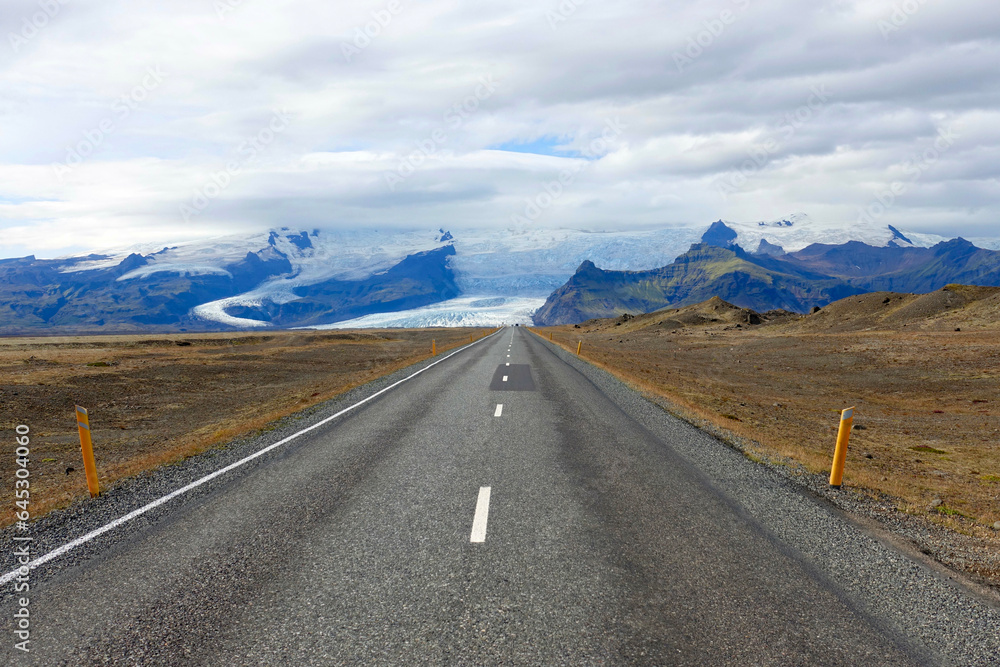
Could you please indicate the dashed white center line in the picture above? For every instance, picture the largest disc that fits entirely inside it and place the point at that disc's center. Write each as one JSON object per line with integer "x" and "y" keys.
{"x": 499, "y": 410}
{"x": 482, "y": 515}
{"x": 504, "y": 378}
{"x": 508, "y": 363}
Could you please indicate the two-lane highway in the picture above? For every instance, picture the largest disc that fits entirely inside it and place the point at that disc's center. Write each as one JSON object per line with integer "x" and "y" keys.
{"x": 506, "y": 506}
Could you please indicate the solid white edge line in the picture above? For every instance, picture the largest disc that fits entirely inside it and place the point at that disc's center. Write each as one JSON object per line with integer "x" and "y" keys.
{"x": 482, "y": 516}
{"x": 498, "y": 413}
{"x": 69, "y": 546}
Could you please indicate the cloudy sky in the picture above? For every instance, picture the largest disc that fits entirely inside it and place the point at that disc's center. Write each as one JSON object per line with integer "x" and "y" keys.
{"x": 130, "y": 121}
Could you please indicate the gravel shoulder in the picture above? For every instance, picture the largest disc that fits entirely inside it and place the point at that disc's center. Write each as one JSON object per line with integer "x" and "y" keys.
{"x": 924, "y": 462}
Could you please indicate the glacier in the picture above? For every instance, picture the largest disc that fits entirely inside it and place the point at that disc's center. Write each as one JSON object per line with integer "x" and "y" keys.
{"x": 466, "y": 311}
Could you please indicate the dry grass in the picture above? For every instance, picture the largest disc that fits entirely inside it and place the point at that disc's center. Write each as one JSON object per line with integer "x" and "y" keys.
{"x": 154, "y": 400}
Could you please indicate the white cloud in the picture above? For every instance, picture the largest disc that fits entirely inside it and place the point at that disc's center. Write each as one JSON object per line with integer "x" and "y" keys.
{"x": 353, "y": 120}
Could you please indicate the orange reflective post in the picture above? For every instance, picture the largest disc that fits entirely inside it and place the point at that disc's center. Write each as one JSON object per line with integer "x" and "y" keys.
{"x": 840, "y": 455}
{"x": 83, "y": 425}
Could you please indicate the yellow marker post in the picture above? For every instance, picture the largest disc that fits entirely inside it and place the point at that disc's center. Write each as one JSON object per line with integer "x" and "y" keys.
{"x": 550, "y": 335}
{"x": 434, "y": 348}
{"x": 579, "y": 346}
{"x": 83, "y": 425}
{"x": 840, "y": 455}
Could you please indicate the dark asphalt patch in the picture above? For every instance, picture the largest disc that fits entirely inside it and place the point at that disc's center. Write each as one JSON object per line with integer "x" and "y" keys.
{"x": 518, "y": 378}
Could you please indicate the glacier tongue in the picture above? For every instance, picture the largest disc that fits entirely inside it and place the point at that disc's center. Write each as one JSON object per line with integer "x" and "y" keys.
{"x": 215, "y": 311}
{"x": 466, "y": 311}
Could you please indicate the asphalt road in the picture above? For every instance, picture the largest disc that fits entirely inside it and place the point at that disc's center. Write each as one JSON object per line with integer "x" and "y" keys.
{"x": 610, "y": 533}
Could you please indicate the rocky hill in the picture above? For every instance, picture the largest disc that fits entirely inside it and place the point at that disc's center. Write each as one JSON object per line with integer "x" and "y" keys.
{"x": 952, "y": 308}
{"x": 712, "y": 313}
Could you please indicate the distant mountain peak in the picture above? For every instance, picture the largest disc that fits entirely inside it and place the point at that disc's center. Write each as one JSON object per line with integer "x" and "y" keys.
{"x": 769, "y": 249}
{"x": 897, "y": 236}
{"x": 133, "y": 261}
{"x": 720, "y": 235}
{"x": 301, "y": 240}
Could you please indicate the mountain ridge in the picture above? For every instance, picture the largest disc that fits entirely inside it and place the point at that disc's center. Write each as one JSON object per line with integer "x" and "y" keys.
{"x": 293, "y": 277}
{"x": 813, "y": 277}
{"x": 136, "y": 295}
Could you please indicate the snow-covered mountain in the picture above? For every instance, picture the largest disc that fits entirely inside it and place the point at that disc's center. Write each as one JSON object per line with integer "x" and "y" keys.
{"x": 798, "y": 231}
{"x": 294, "y": 277}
